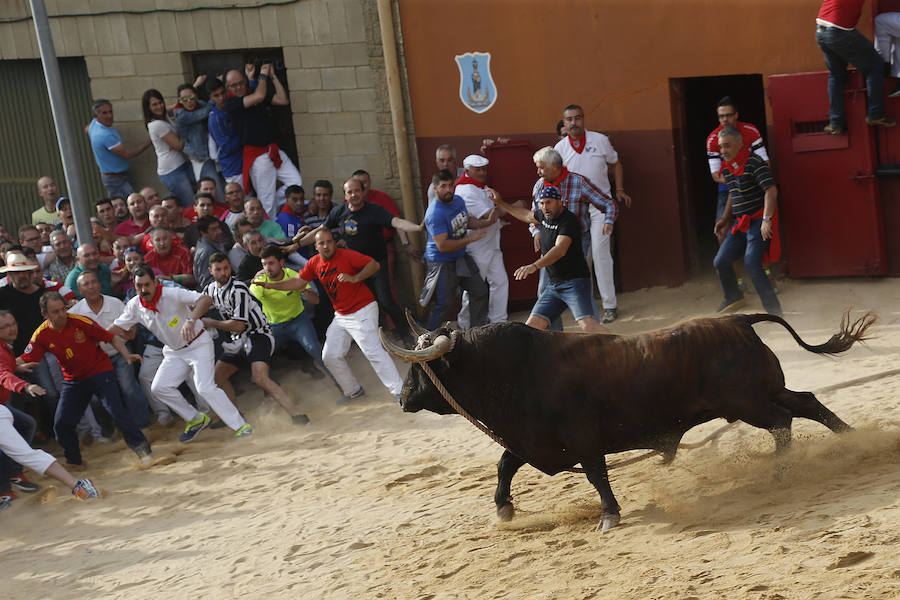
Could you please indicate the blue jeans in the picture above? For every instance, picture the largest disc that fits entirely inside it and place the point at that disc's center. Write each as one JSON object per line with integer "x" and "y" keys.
{"x": 132, "y": 395}
{"x": 300, "y": 329}
{"x": 26, "y": 427}
{"x": 840, "y": 48}
{"x": 574, "y": 294}
{"x": 556, "y": 322}
{"x": 752, "y": 246}
{"x": 180, "y": 183}
{"x": 453, "y": 276}
{"x": 75, "y": 397}
{"x": 117, "y": 185}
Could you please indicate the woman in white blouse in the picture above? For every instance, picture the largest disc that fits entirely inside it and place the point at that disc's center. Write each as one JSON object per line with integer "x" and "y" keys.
{"x": 173, "y": 167}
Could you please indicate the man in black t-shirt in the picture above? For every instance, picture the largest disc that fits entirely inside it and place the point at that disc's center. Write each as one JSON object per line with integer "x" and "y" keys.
{"x": 264, "y": 162}
{"x": 561, "y": 255}
{"x": 360, "y": 224}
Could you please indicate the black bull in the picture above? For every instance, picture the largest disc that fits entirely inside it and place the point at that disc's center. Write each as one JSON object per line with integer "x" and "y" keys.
{"x": 560, "y": 399}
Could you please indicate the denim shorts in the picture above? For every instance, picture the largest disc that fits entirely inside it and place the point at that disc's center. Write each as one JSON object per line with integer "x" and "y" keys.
{"x": 574, "y": 294}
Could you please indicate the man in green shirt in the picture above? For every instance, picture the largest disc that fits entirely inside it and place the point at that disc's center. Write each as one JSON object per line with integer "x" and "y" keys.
{"x": 253, "y": 210}
{"x": 89, "y": 260}
{"x": 284, "y": 309}
{"x": 49, "y": 193}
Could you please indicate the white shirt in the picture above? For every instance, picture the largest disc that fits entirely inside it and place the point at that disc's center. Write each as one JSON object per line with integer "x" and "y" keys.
{"x": 167, "y": 158}
{"x": 112, "y": 308}
{"x": 592, "y": 163}
{"x": 172, "y": 308}
{"x": 479, "y": 205}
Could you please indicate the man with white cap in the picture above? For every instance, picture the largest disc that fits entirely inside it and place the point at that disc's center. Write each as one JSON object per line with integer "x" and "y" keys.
{"x": 472, "y": 188}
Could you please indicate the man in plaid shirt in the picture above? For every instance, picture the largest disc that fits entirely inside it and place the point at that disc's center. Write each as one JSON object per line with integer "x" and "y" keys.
{"x": 577, "y": 195}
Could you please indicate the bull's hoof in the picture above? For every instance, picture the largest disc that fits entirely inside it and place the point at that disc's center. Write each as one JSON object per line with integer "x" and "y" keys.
{"x": 607, "y": 522}
{"x": 506, "y": 512}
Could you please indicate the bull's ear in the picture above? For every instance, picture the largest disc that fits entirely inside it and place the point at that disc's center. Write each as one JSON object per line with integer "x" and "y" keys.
{"x": 445, "y": 362}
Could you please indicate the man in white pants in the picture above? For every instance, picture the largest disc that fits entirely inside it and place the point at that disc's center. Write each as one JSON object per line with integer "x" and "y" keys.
{"x": 171, "y": 315}
{"x": 264, "y": 162}
{"x": 342, "y": 273}
{"x": 590, "y": 154}
{"x": 472, "y": 187}
{"x": 887, "y": 32}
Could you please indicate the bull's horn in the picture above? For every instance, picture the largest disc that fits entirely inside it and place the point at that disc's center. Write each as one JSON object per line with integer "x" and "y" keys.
{"x": 417, "y": 329}
{"x": 440, "y": 347}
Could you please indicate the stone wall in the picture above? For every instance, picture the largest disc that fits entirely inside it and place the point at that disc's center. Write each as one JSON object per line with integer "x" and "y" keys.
{"x": 331, "y": 51}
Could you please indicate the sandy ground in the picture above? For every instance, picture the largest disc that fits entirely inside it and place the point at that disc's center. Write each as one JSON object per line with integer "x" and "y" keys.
{"x": 369, "y": 502}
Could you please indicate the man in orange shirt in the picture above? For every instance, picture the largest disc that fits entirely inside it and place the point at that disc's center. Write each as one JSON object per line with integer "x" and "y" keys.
{"x": 87, "y": 371}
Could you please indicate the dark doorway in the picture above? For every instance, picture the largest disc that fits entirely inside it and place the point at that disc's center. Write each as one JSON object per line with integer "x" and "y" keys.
{"x": 215, "y": 64}
{"x": 694, "y": 101}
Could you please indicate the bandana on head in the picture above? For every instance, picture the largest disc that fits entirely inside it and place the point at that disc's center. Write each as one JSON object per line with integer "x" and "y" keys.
{"x": 549, "y": 191}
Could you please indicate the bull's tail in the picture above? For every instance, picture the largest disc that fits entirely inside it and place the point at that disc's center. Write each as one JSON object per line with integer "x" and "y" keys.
{"x": 840, "y": 342}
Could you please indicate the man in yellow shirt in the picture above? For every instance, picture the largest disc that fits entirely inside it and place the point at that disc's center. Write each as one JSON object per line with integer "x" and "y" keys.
{"x": 284, "y": 309}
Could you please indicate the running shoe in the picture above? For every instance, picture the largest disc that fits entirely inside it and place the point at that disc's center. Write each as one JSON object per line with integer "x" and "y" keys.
{"x": 6, "y": 498}
{"x": 610, "y": 314}
{"x": 883, "y": 121}
{"x": 346, "y": 399}
{"x": 20, "y": 482}
{"x": 84, "y": 489}
{"x": 194, "y": 427}
{"x": 144, "y": 453}
{"x": 244, "y": 431}
{"x": 730, "y": 305}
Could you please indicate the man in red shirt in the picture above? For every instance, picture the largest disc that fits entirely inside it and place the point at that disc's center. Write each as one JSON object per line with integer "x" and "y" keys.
{"x": 174, "y": 261}
{"x": 134, "y": 227}
{"x": 841, "y": 44}
{"x": 727, "y": 113}
{"x": 87, "y": 371}
{"x": 342, "y": 273}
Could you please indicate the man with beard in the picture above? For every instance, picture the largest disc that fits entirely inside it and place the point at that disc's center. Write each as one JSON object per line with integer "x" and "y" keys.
{"x": 569, "y": 281}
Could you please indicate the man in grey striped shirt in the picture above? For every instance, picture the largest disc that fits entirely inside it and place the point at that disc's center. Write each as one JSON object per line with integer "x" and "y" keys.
{"x": 251, "y": 337}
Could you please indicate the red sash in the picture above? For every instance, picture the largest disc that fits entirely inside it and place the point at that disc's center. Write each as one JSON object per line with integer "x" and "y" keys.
{"x": 773, "y": 253}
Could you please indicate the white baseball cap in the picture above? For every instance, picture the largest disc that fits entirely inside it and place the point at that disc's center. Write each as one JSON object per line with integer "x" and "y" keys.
{"x": 475, "y": 160}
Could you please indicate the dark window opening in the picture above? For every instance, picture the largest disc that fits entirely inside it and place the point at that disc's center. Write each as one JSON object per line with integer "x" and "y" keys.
{"x": 216, "y": 64}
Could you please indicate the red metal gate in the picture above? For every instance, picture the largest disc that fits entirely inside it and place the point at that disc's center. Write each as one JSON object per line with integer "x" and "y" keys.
{"x": 829, "y": 201}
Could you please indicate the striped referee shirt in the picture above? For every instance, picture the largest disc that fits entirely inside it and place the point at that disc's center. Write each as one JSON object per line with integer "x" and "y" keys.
{"x": 749, "y": 189}
{"x": 234, "y": 301}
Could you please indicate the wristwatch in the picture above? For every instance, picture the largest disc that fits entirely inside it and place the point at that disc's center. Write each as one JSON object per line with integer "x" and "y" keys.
{"x": 767, "y": 218}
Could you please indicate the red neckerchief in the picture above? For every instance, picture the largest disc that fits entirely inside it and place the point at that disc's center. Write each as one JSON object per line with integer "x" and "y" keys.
{"x": 152, "y": 305}
{"x": 737, "y": 165}
{"x": 464, "y": 179}
{"x": 579, "y": 143}
{"x": 288, "y": 210}
{"x": 773, "y": 252}
{"x": 558, "y": 181}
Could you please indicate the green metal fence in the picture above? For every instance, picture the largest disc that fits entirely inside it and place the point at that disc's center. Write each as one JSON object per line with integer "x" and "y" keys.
{"x": 28, "y": 146}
